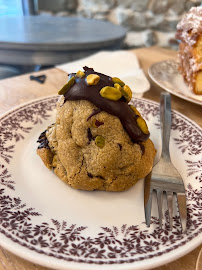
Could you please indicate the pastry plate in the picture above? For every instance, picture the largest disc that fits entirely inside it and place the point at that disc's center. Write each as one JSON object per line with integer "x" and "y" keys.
{"x": 167, "y": 76}
{"x": 47, "y": 222}
{"x": 199, "y": 261}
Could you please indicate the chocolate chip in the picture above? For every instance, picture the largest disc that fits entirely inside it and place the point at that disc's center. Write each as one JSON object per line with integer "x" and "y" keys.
{"x": 120, "y": 146}
{"x": 90, "y": 175}
{"x": 42, "y": 136}
{"x": 44, "y": 143}
{"x": 98, "y": 123}
{"x": 90, "y": 136}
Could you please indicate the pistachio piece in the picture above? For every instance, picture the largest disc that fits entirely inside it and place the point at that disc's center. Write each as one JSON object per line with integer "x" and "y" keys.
{"x": 67, "y": 86}
{"x": 142, "y": 124}
{"x": 92, "y": 79}
{"x": 100, "y": 141}
{"x": 126, "y": 92}
{"x": 117, "y": 86}
{"x": 110, "y": 93}
{"x": 135, "y": 110}
{"x": 117, "y": 80}
{"x": 80, "y": 74}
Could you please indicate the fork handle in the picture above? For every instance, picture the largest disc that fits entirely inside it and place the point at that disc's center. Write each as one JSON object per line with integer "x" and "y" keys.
{"x": 165, "y": 120}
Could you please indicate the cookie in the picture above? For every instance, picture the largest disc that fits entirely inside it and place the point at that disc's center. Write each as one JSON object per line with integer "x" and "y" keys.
{"x": 97, "y": 148}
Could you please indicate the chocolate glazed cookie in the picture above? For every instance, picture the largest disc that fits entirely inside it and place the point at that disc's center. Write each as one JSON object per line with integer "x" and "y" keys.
{"x": 81, "y": 90}
{"x": 98, "y": 142}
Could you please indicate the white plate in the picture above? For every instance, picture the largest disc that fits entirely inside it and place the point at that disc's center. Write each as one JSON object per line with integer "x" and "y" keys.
{"x": 49, "y": 223}
{"x": 167, "y": 76}
{"x": 199, "y": 261}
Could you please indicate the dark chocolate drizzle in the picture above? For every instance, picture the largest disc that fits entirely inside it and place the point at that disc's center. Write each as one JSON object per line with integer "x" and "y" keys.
{"x": 95, "y": 111}
{"x": 82, "y": 91}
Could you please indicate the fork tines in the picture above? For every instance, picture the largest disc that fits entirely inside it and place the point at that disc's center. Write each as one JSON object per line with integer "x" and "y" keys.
{"x": 173, "y": 193}
{"x": 165, "y": 179}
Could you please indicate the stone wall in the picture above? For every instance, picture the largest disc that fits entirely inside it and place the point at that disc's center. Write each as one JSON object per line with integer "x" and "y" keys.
{"x": 149, "y": 22}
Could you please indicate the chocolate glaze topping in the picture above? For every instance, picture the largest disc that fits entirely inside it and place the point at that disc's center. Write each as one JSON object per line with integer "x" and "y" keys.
{"x": 82, "y": 91}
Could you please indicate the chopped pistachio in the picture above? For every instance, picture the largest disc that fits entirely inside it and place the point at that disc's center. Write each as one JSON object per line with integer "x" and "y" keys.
{"x": 117, "y": 86}
{"x": 80, "y": 74}
{"x": 142, "y": 124}
{"x": 92, "y": 79}
{"x": 117, "y": 80}
{"x": 126, "y": 92}
{"x": 135, "y": 110}
{"x": 67, "y": 86}
{"x": 110, "y": 93}
{"x": 100, "y": 141}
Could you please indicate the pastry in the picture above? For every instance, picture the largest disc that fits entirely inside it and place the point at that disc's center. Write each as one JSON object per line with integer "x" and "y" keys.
{"x": 99, "y": 141}
{"x": 189, "y": 31}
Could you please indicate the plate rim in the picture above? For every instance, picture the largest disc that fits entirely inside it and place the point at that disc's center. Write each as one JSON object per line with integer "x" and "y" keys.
{"x": 30, "y": 257}
{"x": 187, "y": 98}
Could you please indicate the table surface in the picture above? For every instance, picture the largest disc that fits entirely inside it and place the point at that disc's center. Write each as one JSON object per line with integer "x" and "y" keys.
{"x": 17, "y": 90}
{"x": 57, "y": 33}
{"x": 51, "y": 40}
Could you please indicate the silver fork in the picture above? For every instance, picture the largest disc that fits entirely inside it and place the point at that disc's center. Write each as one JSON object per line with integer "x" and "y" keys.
{"x": 164, "y": 179}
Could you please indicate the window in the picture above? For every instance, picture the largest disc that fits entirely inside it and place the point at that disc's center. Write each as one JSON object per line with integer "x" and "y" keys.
{"x": 11, "y": 8}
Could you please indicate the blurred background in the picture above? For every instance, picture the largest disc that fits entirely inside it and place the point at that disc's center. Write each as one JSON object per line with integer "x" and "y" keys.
{"x": 147, "y": 22}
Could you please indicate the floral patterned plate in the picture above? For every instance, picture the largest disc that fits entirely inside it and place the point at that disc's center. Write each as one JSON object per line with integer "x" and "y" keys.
{"x": 49, "y": 223}
{"x": 166, "y": 75}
